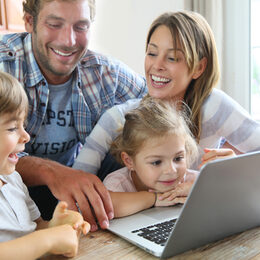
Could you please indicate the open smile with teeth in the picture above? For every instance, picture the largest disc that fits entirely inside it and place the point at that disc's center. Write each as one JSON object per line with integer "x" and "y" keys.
{"x": 160, "y": 80}
{"x": 62, "y": 53}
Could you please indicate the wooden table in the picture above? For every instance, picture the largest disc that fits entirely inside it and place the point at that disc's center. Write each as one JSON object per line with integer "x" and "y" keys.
{"x": 105, "y": 245}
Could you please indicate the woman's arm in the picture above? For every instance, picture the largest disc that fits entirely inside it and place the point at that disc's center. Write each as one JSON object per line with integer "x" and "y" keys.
{"x": 227, "y": 145}
{"x": 223, "y": 117}
{"x": 97, "y": 144}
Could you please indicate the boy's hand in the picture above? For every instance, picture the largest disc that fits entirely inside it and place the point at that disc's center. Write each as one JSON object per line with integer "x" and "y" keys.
{"x": 213, "y": 154}
{"x": 63, "y": 240}
{"x": 63, "y": 216}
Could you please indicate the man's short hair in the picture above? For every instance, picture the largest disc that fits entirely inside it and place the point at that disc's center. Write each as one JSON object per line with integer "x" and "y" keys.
{"x": 33, "y": 7}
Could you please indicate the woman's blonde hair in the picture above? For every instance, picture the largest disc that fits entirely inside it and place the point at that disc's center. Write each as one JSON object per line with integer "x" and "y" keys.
{"x": 196, "y": 40}
{"x": 154, "y": 118}
{"x": 13, "y": 98}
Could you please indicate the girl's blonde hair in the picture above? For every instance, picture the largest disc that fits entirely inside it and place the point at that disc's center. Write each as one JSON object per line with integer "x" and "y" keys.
{"x": 196, "y": 40}
{"x": 13, "y": 98}
{"x": 154, "y": 118}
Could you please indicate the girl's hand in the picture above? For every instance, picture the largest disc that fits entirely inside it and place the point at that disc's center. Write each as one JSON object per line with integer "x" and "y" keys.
{"x": 175, "y": 196}
{"x": 73, "y": 218}
{"x": 167, "y": 202}
{"x": 213, "y": 154}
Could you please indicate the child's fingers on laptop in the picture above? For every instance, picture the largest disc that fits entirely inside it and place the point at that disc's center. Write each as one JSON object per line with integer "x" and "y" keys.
{"x": 166, "y": 202}
{"x": 181, "y": 190}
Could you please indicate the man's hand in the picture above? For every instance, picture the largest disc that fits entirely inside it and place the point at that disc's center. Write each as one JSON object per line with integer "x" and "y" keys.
{"x": 79, "y": 189}
{"x": 84, "y": 191}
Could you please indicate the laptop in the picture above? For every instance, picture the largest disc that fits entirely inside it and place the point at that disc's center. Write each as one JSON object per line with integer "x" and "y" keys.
{"x": 222, "y": 202}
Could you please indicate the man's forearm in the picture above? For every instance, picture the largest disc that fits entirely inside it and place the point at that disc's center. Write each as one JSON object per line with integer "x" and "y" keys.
{"x": 35, "y": 170}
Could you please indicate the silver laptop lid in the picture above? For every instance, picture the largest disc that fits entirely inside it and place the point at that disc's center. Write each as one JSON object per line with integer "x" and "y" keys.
{"x": 223, "y": 202}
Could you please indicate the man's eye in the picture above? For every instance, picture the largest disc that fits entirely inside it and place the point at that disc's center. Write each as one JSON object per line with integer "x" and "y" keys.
{"x": 52, "y": 25}
{"x": 82, "y": 28}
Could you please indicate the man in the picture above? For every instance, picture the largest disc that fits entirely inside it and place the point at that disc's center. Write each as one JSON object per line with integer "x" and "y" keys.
{"x": 69, "y": 87}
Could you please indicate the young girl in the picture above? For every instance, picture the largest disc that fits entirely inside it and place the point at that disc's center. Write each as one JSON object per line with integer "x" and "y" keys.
{"x": 156, "y": 147}
{"x": 19, "y": 216}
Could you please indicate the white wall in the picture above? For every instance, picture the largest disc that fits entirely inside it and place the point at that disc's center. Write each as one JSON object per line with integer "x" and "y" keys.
{"x": 236, "y": 51}
{"x": 120, "y": 27}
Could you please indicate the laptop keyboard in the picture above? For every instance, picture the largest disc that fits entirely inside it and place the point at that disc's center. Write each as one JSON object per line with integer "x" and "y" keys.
{"x": 157, "y": 233}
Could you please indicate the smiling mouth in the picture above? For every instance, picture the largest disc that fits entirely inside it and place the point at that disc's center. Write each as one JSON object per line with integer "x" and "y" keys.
{"x": 13, "y": 158}
{"x": 63, "y": 54}
{"x": 169, "y": 182}
{"x": 159, "y": 80}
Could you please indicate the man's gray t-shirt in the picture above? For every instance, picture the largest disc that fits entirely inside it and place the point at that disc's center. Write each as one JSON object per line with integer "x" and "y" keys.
{"x": 57, "y": 139}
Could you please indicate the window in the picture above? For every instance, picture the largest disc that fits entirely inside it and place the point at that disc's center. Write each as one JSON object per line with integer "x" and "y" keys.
{"x": 255, "y": 59}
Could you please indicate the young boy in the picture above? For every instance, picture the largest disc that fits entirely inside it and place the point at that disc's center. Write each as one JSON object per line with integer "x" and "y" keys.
{"x": 19, "y": 216}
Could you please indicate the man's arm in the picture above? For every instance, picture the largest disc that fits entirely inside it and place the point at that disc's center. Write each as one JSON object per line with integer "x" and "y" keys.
{"x": 70, "y": 185}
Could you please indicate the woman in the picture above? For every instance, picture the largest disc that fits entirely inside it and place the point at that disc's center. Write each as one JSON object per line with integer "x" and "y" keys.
{"x": 181, "y": 63}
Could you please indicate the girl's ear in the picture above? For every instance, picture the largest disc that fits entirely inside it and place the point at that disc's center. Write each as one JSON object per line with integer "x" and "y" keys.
{"x": 200, "y": 68}
{"x": 128, "y": 161}
{"x": 28, "y": 22}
